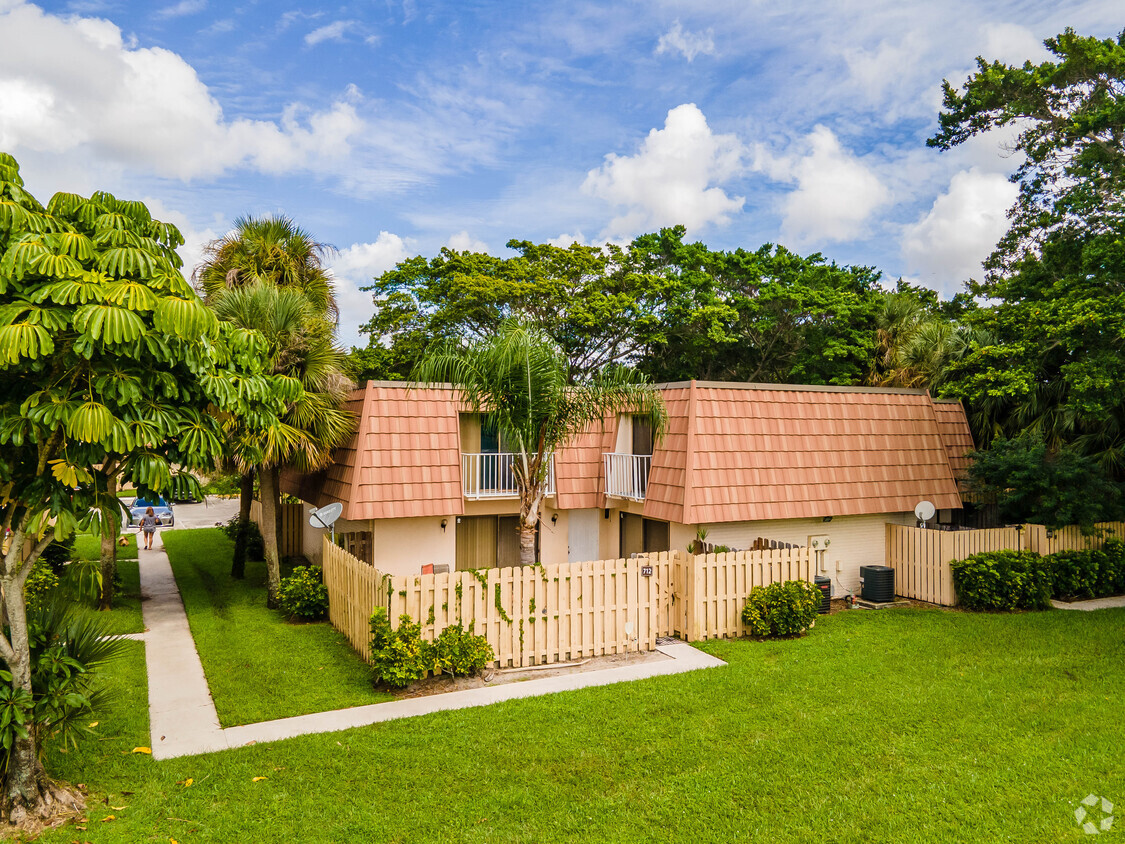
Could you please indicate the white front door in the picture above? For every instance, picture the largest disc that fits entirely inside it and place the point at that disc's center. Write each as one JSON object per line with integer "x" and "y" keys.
{"x": 582, "y": 531}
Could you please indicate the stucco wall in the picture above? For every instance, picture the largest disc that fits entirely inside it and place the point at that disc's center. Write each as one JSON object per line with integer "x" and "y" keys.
{"x": 855, "y": 541}
{"x": 403, "y": 546}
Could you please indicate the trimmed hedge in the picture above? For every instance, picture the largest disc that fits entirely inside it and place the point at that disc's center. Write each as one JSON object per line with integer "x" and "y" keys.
{"x": 1003, "y": 580}
{"x": 1023, "y": 580}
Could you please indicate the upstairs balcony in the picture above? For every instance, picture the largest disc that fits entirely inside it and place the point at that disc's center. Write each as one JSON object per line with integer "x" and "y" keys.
{"x": 493, "y": 476}
{"x": 626, "y": 475}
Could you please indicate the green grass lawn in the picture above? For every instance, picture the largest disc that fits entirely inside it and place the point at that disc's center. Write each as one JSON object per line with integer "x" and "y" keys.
{"x": 259, "y": 666}
{"x": 125, "y": 617}
{"x": 903, "y": 726}
{"x": 87, "y": 546}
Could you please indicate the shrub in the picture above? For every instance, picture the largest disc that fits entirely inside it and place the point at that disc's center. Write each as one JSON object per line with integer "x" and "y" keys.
{"x": 255, "y": 545}
{"x": 399, "y": 657}
{"x": 1112, "y": 579}
{"x": 40, "y": 584}
{"x": 303, "y": 594}
{"x": 66, "y": 649}
{"x": 461, "y": 653}
{"x": 1003, "y": 580}
{"x": 1079, "y": 575}
{"x": 58, "y": 554}
{"x": 781, "y": 609}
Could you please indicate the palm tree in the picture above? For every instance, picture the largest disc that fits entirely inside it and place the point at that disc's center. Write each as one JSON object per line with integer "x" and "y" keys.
{"x": 271, "y": 250}
{"x": 521, "y": 377}
{"x": 308, "y": 378}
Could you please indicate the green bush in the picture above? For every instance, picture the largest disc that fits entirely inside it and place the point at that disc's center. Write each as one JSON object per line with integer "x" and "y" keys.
{"x": 255, "y": 545}
{"x": 58, "y": 554}
{"x": 303, "y": 594}
{"x": 1080, "y": 575}
{"x": 66, "y": 651}
{"x": 1003, "y": 580}
{"x": 461, "y": 653}
{"x": 399, "y": 657}
{"x": 40, "y": 585}
{"x": 781, "y": 609}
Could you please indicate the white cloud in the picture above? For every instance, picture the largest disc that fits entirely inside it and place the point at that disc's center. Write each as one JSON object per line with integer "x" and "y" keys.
{"x": 464, "y": 242}
{"x": 565, "y": 240}
{"x": 184, "y": 7}
{"x": 947, "y": 245}
{"x": 836, "y": 192}
{"x": 355, "y": 267}
{"x": 334, "y": 31}
{"x": 73, "y": 88}
{"x": 672, "y": 179}
{"x": 687, "y": 44}
{"x": 74, "y": 84}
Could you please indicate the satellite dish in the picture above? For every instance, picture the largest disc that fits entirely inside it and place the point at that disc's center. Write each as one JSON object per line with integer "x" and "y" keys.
{"x": 326, "y": 515}
{"x": 925, "y": 511}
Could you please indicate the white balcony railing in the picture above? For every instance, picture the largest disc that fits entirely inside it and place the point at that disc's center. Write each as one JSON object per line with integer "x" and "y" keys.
{"x": 493, "y": 475}
{"x": 626, "y": 475}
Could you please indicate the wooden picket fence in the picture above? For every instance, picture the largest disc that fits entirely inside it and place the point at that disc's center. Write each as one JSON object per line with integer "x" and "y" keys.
{"x": 291, "y": 537}
{"x": 921, "y": 558}
{"x": 537, "y": 615}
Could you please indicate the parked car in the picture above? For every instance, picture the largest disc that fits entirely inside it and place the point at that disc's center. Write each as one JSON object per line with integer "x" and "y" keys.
{"x": 161, "y": 508}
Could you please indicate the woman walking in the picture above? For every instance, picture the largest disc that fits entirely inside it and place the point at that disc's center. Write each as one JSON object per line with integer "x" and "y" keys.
{"x": 148, "y": 525}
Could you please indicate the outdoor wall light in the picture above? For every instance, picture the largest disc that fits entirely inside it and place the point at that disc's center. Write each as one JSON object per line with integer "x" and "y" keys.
{"x": 444, "y": 522}
{"x": 555, "y": 518}
{"x": 826, "y": 519}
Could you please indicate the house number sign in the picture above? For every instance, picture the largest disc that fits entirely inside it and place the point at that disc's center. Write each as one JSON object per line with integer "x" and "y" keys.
{"x": 646, "y": 571}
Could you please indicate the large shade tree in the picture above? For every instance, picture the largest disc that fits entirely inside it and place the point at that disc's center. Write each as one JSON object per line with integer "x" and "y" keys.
{"x": 305, "y": 366}
{"x": 1057, "y": 355}
{"x": 110, "y": 366}
{"x": 271, "y": 251}
{"x": 522, "y": 378}
{"x": 671, "y": 309}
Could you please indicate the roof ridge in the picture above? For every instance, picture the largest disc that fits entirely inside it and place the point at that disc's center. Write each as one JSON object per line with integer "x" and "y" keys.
{"x": 804, "y": 388}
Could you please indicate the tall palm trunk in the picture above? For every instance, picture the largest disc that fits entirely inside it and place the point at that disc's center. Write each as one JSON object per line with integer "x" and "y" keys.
{"x": 241, "y": 537}
{"x": 111, "y": 527}
{"x": 530, "y": 506}
{"x": 268, "y": 485}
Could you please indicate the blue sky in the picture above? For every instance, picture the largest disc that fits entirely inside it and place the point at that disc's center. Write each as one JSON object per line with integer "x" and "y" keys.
{"x": 390, "y": 129}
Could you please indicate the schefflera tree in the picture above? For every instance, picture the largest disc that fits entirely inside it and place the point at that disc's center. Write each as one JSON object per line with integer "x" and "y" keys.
{"x": 111, "y": 367}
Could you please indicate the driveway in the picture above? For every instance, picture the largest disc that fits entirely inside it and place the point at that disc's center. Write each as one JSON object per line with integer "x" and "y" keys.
{"x": 211, "y": 512}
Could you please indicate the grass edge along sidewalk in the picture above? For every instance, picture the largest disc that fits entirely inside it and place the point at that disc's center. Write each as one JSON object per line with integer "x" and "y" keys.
{"x": 259, "y": 666}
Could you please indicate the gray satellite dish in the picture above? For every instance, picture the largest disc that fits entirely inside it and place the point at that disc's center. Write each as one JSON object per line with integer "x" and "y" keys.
{"x": 924, "y": 511}
{"x": 326, "y": 516}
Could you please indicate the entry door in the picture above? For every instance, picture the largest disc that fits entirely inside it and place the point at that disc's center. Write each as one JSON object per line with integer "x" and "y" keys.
{"x": 632, "y": 535}
{"x": 476, "y": 542}
{"x": 507, "y": 541}
{"x": 583, "y": 527}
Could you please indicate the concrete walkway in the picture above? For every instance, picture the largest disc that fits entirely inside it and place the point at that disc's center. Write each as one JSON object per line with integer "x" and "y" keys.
{"x": 1095, "y": 604}
{"x": 182, "y": 715}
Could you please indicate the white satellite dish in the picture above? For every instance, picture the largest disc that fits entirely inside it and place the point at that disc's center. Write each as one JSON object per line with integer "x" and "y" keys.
{"x": 326, "y": 516}
{"x": 925, "y": 511}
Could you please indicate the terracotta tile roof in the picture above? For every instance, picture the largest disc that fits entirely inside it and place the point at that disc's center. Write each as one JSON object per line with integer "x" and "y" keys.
{"x": 404, "y": 460}
{"x": 955, "y": 433}
{"x": 733, "y": 452}
{"x": 756, "y": 452}
{"x": 580, "y": 470}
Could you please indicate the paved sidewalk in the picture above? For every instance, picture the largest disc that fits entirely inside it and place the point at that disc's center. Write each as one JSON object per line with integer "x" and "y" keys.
{"x": 182, "y": 715}
{"x": 1095, "y": 604}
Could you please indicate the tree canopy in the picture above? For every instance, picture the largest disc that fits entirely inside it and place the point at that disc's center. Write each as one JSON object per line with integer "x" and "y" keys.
{"x": 1057, "y": 335}
{"x": 672, "y": 309}
{"x": 109, "y": 362}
